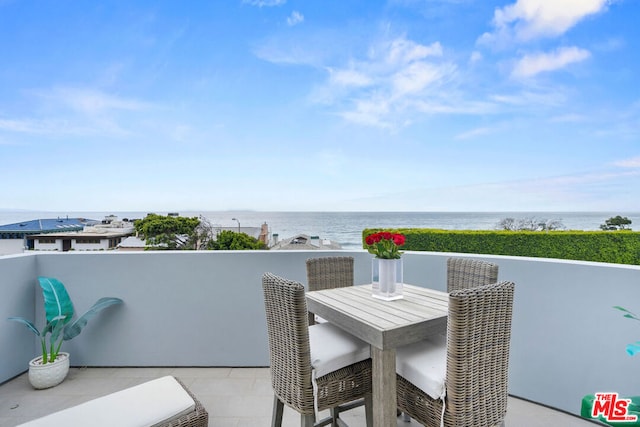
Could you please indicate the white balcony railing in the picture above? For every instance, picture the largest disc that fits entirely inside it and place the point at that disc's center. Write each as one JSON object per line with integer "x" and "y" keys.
{"x": 206, "y": 309}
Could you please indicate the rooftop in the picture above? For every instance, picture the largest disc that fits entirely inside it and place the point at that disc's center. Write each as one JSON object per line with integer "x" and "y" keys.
{"x": 47, "y": 225}
{"x": 234, "y": 397}
{"x": 306, "y": 242}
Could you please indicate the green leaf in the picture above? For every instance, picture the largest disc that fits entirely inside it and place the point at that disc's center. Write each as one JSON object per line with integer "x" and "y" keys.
{"x": 44, "y": 350}
{"x": 72, "y": 330}
{"x": 633, "y": 349}
{"x": 56, "y": 300}
{"x": 27, "y": 323}
{"x": 55, "y": 327}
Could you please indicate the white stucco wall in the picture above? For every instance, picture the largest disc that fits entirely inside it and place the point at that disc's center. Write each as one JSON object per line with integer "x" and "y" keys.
{"x": 11, "y": 246}
{"x": 102, "y": 246}
{"x": 206, "y": 309}
{"x": 17, "y": 343}
{"x": 57, "y": 246}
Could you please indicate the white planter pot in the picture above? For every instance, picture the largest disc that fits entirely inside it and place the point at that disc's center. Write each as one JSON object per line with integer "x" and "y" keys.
{"x": 49, "y": 374}
{"x": 386, "y": 278}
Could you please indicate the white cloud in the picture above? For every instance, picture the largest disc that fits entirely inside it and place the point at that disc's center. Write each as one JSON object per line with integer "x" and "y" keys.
{"x": 453, "y": 105}
{"x": 474, "y": 132}
{"x": 369, "y": 112}
{"x": 475, "y": 57}
{"x": 292, "y": 51}
{"x": 609, "y": 45}
{"x": 394, "y": 80}
{"x": 568, "y": 118}
{"x": 181, "y": 133}
{"x": 547, "y": 98}
{"x": 349, "y": 78}
{"x": 389, "y": 82}
{"x": 531, "y": 65}
{"x": 65, "y": 111}
{"x": 91, "y": 101}
{"x": 526, "y": 20}
{"x": 588, "y": 191}
{"x": 401, "y": 51}
{"x": 13, "y": 125}
{"x": 295, "y": 18}
{"x": 263, "y": 3}
{"x": 57, "y": 127}
{"x": 633, "y": 162}
{"x": 416, "y": 77}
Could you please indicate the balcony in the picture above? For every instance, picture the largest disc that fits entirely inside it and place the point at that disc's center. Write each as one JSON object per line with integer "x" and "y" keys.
{"x": 200, "y": 316}
{"x": 234, "y": 397}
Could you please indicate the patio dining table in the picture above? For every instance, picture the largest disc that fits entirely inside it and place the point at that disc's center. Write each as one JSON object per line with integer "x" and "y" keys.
{"x": 385, "y": 325}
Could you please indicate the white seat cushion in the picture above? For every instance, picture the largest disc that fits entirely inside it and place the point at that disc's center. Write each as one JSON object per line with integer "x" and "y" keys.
{"x": 333, "y": 349}
{"x": 147, "y": 404}
{"x": 424, "y": 364}
{"x": 319, "y": 319}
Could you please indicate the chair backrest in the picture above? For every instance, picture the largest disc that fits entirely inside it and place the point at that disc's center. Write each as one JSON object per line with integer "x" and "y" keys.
{"x": 329, "y": 272}
{"x": 463, "y": 273}
{"x": 478, "y": 339}
{"x": 289, "y": 349}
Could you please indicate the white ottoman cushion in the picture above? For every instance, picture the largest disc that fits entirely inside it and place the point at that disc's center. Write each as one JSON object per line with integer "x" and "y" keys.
{"x": 424, "y": 364}
{"x": 148, "y": 404}
{"x": 333, "y": 349}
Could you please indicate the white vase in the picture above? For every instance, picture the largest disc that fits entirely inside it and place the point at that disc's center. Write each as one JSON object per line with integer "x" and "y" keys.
{"x": 48, "y": 374}
{"x": 386, "y": 278}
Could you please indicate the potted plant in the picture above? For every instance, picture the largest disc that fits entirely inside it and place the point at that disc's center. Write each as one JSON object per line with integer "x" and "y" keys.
{"x": 51, "y": 367}
{"x": 387, "y": 267}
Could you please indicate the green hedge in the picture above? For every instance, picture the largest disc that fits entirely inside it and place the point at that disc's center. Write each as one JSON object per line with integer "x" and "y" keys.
{"x": 619, "y": 247}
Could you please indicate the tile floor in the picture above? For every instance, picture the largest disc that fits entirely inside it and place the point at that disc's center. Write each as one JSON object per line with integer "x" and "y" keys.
{"x": 234, "y": 397}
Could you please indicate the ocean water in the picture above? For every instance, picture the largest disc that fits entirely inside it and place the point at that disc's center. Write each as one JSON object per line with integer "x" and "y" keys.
{"x": 346, "y": 227}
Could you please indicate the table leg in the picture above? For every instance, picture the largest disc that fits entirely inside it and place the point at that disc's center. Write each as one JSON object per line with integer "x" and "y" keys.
{"x": 384, "y": 387}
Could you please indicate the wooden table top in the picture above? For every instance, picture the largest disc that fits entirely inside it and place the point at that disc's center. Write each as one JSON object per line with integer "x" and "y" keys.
{"x": 384, "y": 324}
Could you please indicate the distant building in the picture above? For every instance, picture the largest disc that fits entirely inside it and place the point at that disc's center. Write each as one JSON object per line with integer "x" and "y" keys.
{"x": 105, "y": 235}
{"x": 132, "y": 243}
{"x": 306, "y": 242}
{"x": 14, "y": 238}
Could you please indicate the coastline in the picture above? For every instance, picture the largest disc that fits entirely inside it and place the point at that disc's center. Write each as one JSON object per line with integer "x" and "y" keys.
{"x": 345, "y": 227}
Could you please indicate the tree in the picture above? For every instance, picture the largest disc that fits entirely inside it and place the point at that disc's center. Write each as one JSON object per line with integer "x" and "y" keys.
{"x": 175, "y": 232}
{"x": 168, "y": 232}
{"x": 230, "y": 240}
{"x": 204, "y": 234}
{"x": 616, "y": 223}
{"x": 529, "y": 224}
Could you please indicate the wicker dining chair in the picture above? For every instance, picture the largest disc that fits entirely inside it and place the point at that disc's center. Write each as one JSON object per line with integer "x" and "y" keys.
{"x": 313, "y": 368}
{"x": 328, "y": 273}
{"x": 468, "y": 371}
{"x": 463, "y": 273}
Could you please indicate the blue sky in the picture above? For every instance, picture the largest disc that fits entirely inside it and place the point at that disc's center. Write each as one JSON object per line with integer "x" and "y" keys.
{"x": 329, "y": 105}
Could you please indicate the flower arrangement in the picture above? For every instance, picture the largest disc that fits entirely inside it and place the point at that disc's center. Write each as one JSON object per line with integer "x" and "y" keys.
{"x": 384, "y": 244}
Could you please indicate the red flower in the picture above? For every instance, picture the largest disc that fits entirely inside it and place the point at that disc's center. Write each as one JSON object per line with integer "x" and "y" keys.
{"x": 398, "y": 239}
{"x": 384, "y": 244}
